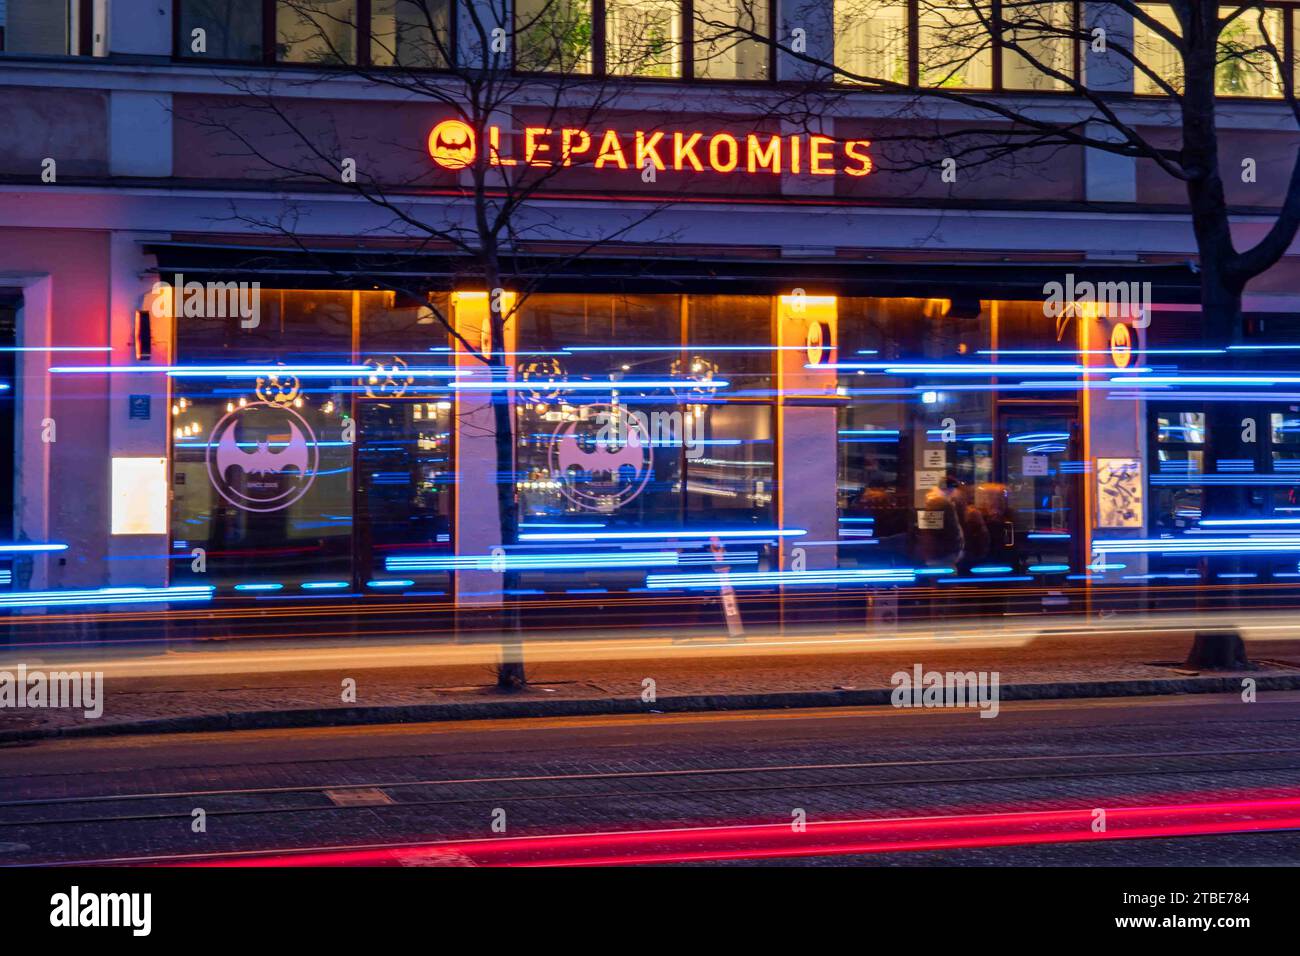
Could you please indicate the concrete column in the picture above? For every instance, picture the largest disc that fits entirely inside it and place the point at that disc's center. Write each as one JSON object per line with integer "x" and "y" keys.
{"x": 1113, "y": 430}
{"x": 477, "y": 527}
{"x": 807, "y": 452}
{"x": 32, "y": 408}
{"x": 139, "y": 411}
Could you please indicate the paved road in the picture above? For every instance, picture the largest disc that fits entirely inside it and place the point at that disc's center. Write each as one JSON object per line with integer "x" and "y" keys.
{"x": 408, "y": 785}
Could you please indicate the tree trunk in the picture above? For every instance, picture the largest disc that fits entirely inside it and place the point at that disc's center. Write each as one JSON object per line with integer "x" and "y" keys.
{"x": 510, "y": 671}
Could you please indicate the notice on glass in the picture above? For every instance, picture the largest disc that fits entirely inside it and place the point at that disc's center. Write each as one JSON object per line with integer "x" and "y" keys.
{"x": 1033, "y": 466}
{"x": 1119, "y": 493}
{"x": 925, "y": 480}
{"x": 935, "y": 458}
{"x": 929, "y": 520}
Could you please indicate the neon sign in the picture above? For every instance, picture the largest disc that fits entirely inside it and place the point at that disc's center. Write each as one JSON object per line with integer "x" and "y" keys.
{"x": 453, "y": 145}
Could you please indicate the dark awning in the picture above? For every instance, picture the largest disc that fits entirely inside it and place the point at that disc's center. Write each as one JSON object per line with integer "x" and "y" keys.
{"x": 385, "y": 268}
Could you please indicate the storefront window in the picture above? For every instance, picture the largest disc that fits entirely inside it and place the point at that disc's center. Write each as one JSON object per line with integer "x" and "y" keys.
{"x": 1284, "y": 437}
{"x": 730, "y": 337}
{"x": 968, "y": 478}
{"x": 659, "y": 448}
{"x": 1180, "y": 461}
{"x": 724, "y": 47}
{"x": 302, "y": 476}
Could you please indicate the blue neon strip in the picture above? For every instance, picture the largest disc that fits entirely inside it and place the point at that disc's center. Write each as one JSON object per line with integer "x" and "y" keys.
{"x": 105, "y": 596}
{"x": 663, "y": 535}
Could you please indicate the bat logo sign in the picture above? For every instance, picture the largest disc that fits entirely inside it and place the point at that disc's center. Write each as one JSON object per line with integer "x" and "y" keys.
{"x": 262, "y": 457}
{"x": 451, "y": 144}
{"x": 601, "y": 467}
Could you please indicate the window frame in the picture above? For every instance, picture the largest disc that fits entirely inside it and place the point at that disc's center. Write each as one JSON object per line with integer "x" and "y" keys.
{"x": 997, "y": 50}
{"x": 364, "y": 33}
{"x": 1289, "y": 23}
{"x": 599, "y": 64}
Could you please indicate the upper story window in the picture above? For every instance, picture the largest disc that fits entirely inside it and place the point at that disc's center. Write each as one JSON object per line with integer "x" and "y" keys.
{"x": 955, "y": 44}
{"x": 554, "y": 36}
{"x": 708, "y": 39}
{"x": 392, "y": 33}
{"x": 1245, "y": 66}
{"x": 46, "y": 27}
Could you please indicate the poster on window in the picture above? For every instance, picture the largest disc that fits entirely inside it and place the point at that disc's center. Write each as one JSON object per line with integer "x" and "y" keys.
{"x": 1119, "y": 493}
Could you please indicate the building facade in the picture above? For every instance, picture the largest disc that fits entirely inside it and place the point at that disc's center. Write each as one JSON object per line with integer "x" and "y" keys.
{"x": 737, "y": 337}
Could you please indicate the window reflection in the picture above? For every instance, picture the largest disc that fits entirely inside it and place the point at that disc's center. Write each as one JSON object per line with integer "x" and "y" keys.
{"x": 553, "y": 35}
{"x": 321, "y": 32}
{"x": 643, "y": 37}
{"x": 410, "y": 33}
{"x": 1035, "y": 29}
{"x": 955, "y": 41}
{"x": 232, "y": 29}
{"x": 724, "y": 47}
{"x": 871, "y": 39}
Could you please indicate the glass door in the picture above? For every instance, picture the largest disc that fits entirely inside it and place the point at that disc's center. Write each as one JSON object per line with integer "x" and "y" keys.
{"x": 1033, "y": 511}
{"x": 405, "y": 474}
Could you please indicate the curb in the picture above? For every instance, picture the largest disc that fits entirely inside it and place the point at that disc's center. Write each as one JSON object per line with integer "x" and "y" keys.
{"x": 428, "y": 713}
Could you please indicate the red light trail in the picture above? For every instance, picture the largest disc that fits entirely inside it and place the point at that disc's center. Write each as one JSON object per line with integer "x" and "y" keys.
{"x": 832, "y": 838}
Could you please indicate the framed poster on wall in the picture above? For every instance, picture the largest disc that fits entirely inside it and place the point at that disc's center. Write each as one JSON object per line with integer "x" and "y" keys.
{"x": 1119, "y": 493}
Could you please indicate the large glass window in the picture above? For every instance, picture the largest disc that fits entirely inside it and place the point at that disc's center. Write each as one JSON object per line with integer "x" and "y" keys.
{"x": 1176, "y": 490}
{"x": 724, "y": 46}
{"x": 44, "y": 27}
{"x": 220, "y": 29}
{"x": 410, "y": 33}
{"x": 1245, "y": 67}
{"x": 643, "y": 37}
{"x": 304, "y": 473}
{"x": 956, "y": 44}
{"x": 553, "y": 36}
{"x": 871, "y": 39}
{"x": 316, "y": 31}
{"x": 620, "y": 428}
{"x": 1036, "y": 44}
{"x": 407, "y": 33}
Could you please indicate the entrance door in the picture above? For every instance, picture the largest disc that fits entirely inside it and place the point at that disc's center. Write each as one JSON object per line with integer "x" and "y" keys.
{"x": 405, "y": 473}
{"x": 1039, "y": 515}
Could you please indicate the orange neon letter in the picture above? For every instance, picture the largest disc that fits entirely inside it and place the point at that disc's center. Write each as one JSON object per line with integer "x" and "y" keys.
{"x": 769, "y": 158}
{"x": 611, "y": 151}
{"x": 494, "y": 149}
{"x": 819, "y": 153}
{"x": 856, "y": 156}
{"x": 733, "y": 150}
{"x": 532, "y": 147}
{"x": 795, "y": 143}
{"x": 648, "y": 149}
{"x": 686, "y": 150}
{"x": 568, "y": 150}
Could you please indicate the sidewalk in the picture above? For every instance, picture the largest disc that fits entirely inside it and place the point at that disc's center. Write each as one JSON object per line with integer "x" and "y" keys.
{"x": 213, "y": 685}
